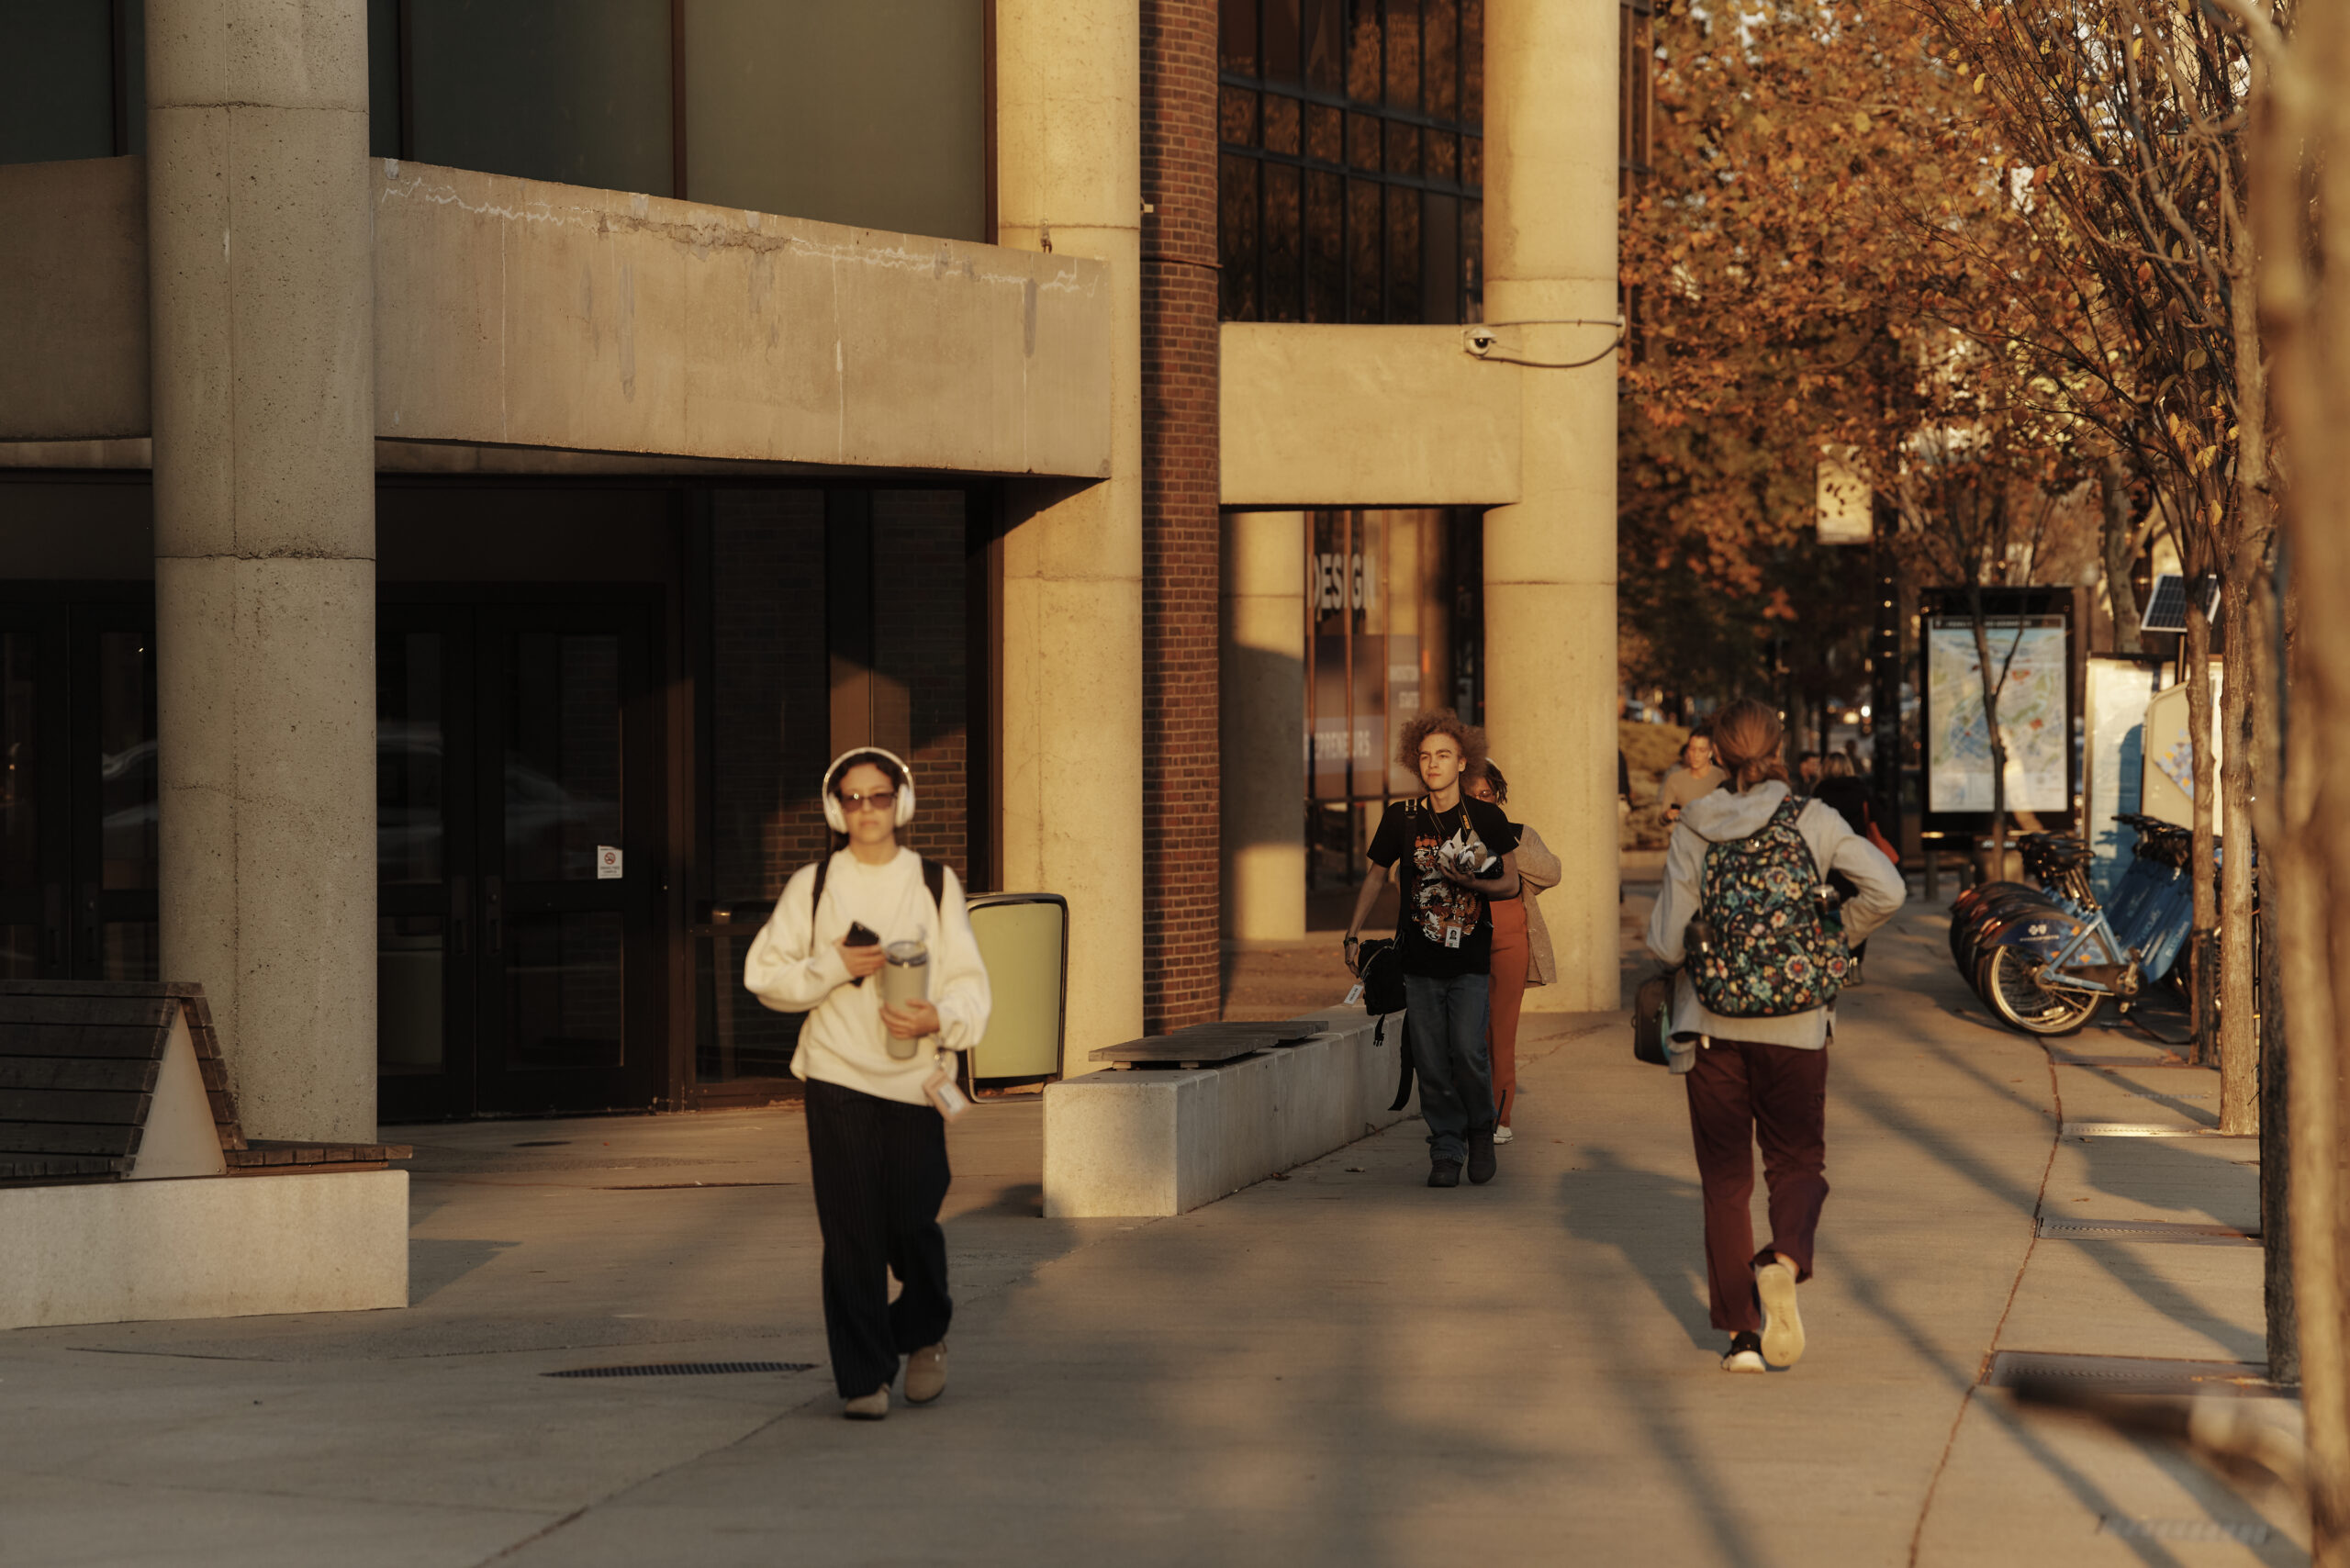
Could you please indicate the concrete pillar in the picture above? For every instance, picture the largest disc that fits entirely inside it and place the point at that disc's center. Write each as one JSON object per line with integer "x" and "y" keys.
{"x": 262, "y": 298}
{"x": 1551, "y": 171}
{"x": 1069, "y": 181}
{"x": 1263, "y": 687}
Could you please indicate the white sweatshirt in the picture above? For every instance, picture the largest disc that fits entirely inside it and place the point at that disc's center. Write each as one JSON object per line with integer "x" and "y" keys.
{"x": 845, "y": 1041}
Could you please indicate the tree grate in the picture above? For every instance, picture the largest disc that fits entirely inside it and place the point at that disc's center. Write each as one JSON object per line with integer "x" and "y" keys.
{"x": 685, "y": 1369}
{"x": 2162, "y": 1231}
{"x": 2182, "y": 1530}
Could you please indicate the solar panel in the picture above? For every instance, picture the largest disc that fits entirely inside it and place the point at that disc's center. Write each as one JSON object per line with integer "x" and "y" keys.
{"x": 2166, "y": 606}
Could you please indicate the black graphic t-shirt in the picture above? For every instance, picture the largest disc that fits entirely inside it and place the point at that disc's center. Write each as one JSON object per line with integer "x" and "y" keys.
{"x": 1442, "y": 930}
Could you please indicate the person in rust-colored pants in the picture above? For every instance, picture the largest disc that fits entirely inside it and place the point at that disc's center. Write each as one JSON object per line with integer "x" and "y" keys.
{"x": 1741, "y": 1094}
{"x": 1507, "y": 996}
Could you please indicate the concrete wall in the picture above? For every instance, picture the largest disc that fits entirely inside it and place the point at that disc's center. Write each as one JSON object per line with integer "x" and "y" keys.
{"x": 74, "y": 299}
{"x": 1153, "y": 1142}
{"x": 1317, "y": 416}
{"x": 517, "y": 312}
{"x": 1262, "y": 677}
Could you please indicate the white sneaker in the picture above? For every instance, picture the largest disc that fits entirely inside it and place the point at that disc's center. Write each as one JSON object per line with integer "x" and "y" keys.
{"x": 870, "y": 1407}
{"x": 1743, "y": 1355}
{"x": 1501, "y": 1134}
{"x": 1782, "y": 1324}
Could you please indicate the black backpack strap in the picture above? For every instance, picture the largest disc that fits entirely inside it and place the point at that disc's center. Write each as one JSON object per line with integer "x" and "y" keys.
{"x": 934, "y": 877}
{"x": 816, "y": 896}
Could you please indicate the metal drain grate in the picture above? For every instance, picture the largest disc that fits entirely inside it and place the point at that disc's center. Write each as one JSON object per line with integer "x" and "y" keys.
{"x": 2133, "y": 1129}
{"x": 2182, "y": 1530}
{"x": 685, "y": 1369}
{"x": 2165, "y": 1230}
{"x": 2131, "y": 1374}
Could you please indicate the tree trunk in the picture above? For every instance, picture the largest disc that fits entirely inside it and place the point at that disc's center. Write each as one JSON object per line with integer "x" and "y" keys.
{"x": 1991, "y": 685}
{"x": 2268, "y": 649}
{"x": 2201, "y": 948}
{"x": 2239, "y": 1032}
{"x": 2117, "y": 541}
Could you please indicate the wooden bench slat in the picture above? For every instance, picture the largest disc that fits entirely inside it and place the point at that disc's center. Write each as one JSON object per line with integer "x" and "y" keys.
{"x": 93, "y": 1105}
{"x": 155, "y": 1012}
{"x": 25, "y": 1168}
{"x": 65, "y": 1138}
{"x": 83, "y": 1040}
{"x": 126, "y": 1074}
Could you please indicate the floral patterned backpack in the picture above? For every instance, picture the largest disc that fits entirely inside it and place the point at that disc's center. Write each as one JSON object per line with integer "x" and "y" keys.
{"x": 1765, "y": 943}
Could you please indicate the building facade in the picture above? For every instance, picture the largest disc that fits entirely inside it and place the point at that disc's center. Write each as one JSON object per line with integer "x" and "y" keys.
{"x": 463, "y": 470}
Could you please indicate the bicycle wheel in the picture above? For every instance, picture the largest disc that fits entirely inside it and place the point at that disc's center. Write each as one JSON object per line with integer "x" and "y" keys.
{"x": 2011, "y": 985}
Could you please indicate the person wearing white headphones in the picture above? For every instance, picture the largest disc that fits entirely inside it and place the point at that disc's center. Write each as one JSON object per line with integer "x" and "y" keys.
{"x": 877, "y": 1144}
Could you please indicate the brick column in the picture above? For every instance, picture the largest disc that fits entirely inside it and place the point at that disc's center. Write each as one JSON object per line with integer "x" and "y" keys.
{"x": 1182, "y": 974}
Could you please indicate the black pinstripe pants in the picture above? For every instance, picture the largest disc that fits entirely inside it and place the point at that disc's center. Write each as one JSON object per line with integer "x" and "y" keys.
{"x": 879, "y": 1171}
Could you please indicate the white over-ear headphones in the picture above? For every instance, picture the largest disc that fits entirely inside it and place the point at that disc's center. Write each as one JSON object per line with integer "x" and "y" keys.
{"x": 837, "y": 819}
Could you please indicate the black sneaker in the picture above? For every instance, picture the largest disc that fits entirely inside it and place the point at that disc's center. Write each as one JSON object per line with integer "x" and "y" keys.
{"x": 1745, "y": 1353}
{"x": 1482, "y": 1164}
{"x": 1444, "y": 1173}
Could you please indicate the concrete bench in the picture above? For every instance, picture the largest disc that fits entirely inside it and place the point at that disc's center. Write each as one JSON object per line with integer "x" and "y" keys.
{"x": 124, "y": 1188}
{"x": 1163, "y": 1142}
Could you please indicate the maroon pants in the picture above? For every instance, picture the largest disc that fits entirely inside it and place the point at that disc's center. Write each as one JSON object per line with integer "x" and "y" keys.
{"x": 1743, "y": 1094}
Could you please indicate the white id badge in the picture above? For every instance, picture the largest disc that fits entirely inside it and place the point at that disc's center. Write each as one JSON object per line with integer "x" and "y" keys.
{"x": 1452, "y": 936}
{"x": 947, "y": 1095}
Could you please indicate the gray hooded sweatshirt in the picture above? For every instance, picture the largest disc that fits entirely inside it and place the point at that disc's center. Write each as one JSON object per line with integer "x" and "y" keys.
{"x": 1722, "y": 816}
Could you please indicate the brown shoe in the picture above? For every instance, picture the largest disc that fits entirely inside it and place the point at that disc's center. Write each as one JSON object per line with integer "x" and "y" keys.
{"x": 927, "y": 1373}
{"x": 869, "y": 1407}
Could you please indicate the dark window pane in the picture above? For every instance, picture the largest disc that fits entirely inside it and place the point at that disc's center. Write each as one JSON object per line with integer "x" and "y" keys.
{"x": 1237, "y": 39}
{"x": 20, "y": 762}
{"x": 1236, "y": 235}
{"x": 56, "y": 80}
{"x": 1439, "y": 257}
{"x": 19, "y": 952}
{"x": 1236, "y": 116}
{"x": 563, "y": 758}
{"x": 737, "y": 1037}
{"x": 1325, "y": 134}
{"x": 1325, "y": 253}
{"x": 1472, "y": 62}
{"x": 1280, "y": 124}
{"x": 1473, "y": 261}
{"x": 564, "y": 996}
{"x": 1363, "y": 52}
{"x": 126, "y": 783}
{"x": 1440, "y": 38}
{"x": 1362, "y": 141}
{"x": 1402, "y": 254}
{"x": 383, "y": 78}
{"x": 1402, "y": 148}
{"x": 771, "y": 707}
{"x": 1473, "y": 162}
{"x": 1363, "y": 248}
{"x": 410, "y": 801}
{"x": 1280, "y": 40}
{"x": 128, "y": 950}
{"x": 1325, "y": 23}
{"x": 570, "y": 90}
{"x": 1404, "y": 53}
{"x": 1283, "y": 243}
{"x": 411, "y": 965}
{"x": 1444, "y": 154}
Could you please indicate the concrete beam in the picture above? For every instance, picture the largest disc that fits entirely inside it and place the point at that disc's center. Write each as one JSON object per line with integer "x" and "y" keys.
{"x": 74, "y": 276}
{"x": 521, "y": 313}
{"x": 1318, "y": 416}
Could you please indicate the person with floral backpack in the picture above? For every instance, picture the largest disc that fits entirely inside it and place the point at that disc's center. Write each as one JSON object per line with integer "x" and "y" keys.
{"x": 1762, "y": 951}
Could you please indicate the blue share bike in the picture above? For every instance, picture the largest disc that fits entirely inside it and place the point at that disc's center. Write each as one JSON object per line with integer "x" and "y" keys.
{"x": 2046, "y": 957}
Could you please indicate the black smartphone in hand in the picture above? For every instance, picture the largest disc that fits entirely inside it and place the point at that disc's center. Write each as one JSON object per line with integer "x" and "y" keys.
{"x": 860, "y": 936}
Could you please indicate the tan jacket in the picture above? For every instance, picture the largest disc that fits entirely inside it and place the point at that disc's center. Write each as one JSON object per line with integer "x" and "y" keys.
{"x": 1537, "y": 868}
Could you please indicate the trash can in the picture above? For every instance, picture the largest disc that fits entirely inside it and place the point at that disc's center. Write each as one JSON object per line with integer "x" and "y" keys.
{"x": 1024, "y": 940}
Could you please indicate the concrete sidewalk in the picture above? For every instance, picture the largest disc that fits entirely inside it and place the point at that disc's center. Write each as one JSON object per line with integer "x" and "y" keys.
{"x": 1340, "y": 1366}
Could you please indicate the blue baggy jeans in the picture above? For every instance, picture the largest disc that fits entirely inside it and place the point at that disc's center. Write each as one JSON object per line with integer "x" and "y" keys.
{"x": 1450, "y": 1054}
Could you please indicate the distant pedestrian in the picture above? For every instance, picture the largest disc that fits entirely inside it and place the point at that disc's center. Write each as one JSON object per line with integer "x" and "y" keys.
{"x": 1807, "y": 770}
{"x": 1693, "y": 775}
{"x": 1745, "y": 864}
{"x": 1453, "y": 856}
{"x": 877, "y": 1143}
{"x": 1522, "y": 954}
{"x": 1839, "y": 786}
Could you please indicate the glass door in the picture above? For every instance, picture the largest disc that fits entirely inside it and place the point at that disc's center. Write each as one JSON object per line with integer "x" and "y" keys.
{"x": 517, "y": 823}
